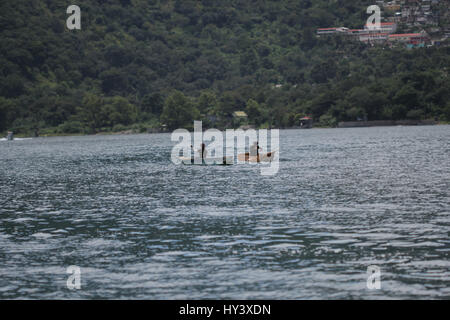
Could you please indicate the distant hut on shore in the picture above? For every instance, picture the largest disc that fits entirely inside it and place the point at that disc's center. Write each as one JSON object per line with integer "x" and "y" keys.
{"x": 240, "y": 118}
{"x": 306, "y": 123}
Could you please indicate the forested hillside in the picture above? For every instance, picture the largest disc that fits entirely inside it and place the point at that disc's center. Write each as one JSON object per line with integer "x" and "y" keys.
{"x": 142, "y": 63}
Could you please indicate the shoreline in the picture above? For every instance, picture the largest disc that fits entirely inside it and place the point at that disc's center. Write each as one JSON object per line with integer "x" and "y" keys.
{"x": 131, "y": 132}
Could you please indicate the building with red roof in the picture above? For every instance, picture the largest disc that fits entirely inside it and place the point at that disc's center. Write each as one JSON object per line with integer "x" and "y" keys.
{"x": 385, "y": 27}
{"x": 410, "y": 37}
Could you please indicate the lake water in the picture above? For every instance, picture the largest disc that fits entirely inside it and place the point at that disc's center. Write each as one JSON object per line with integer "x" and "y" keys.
{"x": 140, "y": 227}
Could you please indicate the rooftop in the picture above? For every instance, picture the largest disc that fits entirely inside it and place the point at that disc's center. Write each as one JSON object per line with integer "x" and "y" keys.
{"x": 386, "y": 23}
{"x": 240, "y": 114}
{"x": 399, "y": 35}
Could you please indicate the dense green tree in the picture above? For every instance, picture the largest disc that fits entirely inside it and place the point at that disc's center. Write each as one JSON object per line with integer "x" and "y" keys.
{"x": 407, "y": 96}
{"x": 248, "y": 62}
{"x": 229, "y": 103}
{"x": 114, "y": 81}
{"x": 207, "y": 102}
{"x": 179, "y": 112}
{"x": 118, "y": 110}
{"x": 91, "y": 112}
{"x": 153, "y": 103}
{"x": 6, "y": 107}
{"x": 254, "y": 112}
{"x": 11, "y": 86}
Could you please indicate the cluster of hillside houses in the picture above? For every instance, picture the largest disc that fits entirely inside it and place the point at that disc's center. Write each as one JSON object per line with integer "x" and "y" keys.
{"x": 415, "y": 12}
{"x": 407, "y": 13}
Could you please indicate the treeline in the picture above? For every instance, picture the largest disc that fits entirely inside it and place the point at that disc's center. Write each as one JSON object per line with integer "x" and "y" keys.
{"x": 140, "y": 64}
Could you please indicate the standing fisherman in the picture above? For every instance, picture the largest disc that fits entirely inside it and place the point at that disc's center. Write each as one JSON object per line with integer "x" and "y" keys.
{"x": 192, "y": 154}
{"x": 254, "y": 150}
{"x": 202, "y": 151}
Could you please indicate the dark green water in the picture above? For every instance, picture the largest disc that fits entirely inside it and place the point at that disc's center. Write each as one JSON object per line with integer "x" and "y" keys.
{"x": 140, "y": 227}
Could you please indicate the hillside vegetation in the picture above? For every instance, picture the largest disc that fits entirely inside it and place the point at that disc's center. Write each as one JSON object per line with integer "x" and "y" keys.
{"x": 137, "y": 64}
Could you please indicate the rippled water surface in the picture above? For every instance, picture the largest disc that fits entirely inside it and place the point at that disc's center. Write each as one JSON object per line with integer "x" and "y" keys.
{"x": 140, "y": 227}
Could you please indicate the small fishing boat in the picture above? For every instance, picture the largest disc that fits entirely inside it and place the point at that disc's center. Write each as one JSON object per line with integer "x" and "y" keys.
{"x": 220, "y": 161}
{"x": 10, "y": 136}
{"x": 262, "y": 157}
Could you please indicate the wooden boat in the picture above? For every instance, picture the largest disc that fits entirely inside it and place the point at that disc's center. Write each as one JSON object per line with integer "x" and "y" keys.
{"x": 220, "y": 161}
{"x": 262, "y": 157}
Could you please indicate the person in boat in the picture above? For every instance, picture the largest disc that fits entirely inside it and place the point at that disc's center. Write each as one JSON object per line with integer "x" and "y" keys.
{"x": 192, "y": 154}
{"x": 254, "y": 149}
{"x": 202, "y": 151}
